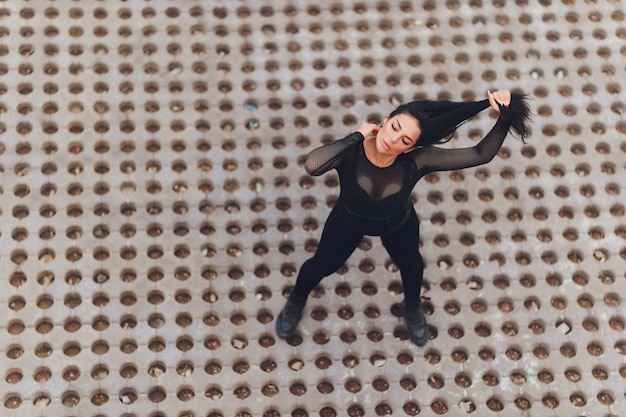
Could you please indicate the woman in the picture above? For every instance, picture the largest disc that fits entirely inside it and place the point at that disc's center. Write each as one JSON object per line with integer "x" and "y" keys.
{"x": 378, "y": 168}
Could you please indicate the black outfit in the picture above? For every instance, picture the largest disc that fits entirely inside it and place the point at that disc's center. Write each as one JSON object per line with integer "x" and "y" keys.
{"x": 376, "y": 201}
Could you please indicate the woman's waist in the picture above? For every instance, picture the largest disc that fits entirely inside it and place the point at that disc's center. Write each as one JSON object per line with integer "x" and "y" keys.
{"x": 385, "y": 215}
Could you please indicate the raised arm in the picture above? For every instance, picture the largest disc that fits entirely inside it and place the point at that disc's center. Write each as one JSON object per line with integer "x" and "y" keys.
{"x": 514, "y": 114}
{"x": 438, "y": 159}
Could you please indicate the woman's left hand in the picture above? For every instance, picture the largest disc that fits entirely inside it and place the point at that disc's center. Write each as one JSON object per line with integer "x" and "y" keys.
{"x": 368, "y": 129}
{"x": 499, "y": 98}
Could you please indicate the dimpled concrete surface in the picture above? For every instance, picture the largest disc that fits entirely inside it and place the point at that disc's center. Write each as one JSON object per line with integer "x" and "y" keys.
{"x": 155, "y": 210}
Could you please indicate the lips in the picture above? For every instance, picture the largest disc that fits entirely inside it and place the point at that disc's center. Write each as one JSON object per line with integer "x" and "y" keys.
{"x": 386, "y": 145}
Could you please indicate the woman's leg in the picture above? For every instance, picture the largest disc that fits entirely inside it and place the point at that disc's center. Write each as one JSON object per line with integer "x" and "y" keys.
{"x": 335, "y": 246}
{"x": 403, "y": 247}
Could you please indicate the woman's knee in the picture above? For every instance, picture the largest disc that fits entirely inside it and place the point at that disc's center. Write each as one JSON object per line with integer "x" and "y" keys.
{"x": 320, "y": 265}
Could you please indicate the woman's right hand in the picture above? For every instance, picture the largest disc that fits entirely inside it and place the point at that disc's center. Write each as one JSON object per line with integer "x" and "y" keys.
{"x": 368, "y": 129}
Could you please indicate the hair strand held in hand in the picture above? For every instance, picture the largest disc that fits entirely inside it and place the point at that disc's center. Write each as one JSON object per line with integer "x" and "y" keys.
{"x": 440, "y": 119}
{"x": 518, "y": 114}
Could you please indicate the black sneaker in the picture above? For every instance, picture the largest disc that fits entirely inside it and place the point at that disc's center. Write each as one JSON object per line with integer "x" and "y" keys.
{"x": 289, "y": 317}
{"x": 416, "y": 324}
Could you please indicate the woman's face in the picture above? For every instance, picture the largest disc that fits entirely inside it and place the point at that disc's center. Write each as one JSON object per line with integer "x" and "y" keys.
{"x": 398, "y": 134}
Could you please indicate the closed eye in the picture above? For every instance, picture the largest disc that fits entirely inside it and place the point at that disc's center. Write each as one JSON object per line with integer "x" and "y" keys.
{"x": 405, "y": 140}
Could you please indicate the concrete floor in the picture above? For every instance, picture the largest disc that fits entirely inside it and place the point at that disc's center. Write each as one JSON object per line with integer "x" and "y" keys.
{"x": 155, "y": 210}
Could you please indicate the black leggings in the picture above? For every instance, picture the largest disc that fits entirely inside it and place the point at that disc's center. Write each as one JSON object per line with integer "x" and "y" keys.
{"x": 337, "y": 243}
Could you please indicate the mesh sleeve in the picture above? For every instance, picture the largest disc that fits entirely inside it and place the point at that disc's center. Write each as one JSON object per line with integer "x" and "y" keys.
{"x": 327, "y": 157}
{"x": 438, "y": 159}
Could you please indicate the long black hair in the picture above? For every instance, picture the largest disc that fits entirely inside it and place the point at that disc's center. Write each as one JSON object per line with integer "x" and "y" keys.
{"x": 438, "y": 120}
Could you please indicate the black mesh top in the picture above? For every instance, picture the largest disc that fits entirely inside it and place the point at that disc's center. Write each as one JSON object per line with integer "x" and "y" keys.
{"x": 377, "y": 200}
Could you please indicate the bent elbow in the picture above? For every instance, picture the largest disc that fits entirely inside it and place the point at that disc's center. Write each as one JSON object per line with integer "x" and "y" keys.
{"x": 487, "y": 154}
{"x": 309, "y": 167}
{"x": 490, "y": 157}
